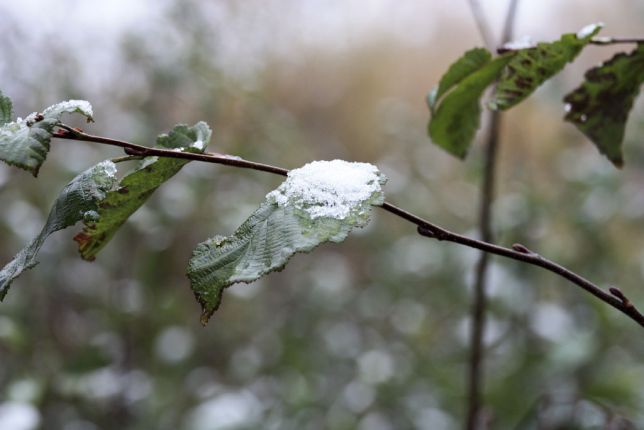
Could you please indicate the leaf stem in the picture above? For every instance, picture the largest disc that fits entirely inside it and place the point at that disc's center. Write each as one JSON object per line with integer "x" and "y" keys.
{"x": 613, "y": 40}
{"x": 425, "y": 228}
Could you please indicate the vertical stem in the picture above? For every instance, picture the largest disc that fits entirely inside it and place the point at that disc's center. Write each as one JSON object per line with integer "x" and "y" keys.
{"x": 479, "y": 303}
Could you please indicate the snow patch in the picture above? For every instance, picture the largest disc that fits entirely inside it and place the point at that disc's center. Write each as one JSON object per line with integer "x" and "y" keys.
{"x": 524, "y": 42}
{"x": 589, "y": 30}
{"x": 108, "y": 167}
{"x": 198, "y": 145}
{"x": 81, "y": 106}
{"x": 329, "y": 189}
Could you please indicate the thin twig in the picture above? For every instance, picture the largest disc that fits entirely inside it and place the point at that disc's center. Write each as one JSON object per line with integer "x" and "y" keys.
{"x": 614, "y": 40}
{"x": 479, "y": 302}
{"x": 481, "y": 23}
{"x": 425, "y": 228}
{"x": 144, "y": 151}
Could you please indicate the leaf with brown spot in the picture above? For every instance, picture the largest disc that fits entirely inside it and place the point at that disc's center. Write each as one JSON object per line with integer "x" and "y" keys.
{"x": 138, "y": 185}
{"x": 532, "y": 66}
{"x": 599, "y": 108}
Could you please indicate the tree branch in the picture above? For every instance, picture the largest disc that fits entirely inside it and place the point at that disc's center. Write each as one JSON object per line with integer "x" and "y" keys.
{"x": 425, "y": 228}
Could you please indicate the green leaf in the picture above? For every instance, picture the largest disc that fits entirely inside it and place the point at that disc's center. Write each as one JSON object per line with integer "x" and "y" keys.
{"x": 456, "y": 119}
{"x": 599, "y": 108}
{"x": 78, "y": 200}
{"x": 531, "y": 67}
{"x": 320, "y": 202}
{"x": 25, "y": 142}
{"x": 6, "y": 109}
{"x": 135, "y": 188}
{"x": 469, "y": 63}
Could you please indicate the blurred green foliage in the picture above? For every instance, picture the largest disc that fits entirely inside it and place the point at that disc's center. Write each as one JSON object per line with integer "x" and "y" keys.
{"x": 369, "y": 334}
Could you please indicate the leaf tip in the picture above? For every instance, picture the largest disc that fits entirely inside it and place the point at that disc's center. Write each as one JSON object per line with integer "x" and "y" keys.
{"x": 618, "y": 162}
{"x": 205, "y": 317}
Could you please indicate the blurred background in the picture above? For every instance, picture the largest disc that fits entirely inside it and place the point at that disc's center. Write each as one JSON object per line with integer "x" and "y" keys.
{"x": 370, "y": 334}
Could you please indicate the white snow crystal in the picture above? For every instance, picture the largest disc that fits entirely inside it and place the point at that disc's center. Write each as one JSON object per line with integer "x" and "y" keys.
{"x": 328, "y": 188}
{"x": 588, "y": 30}
{"x": 109, "y": 168}
{"x": 198, "y": 145}
{"x": 522, "y": 43}
{"x": 71, "y": 106}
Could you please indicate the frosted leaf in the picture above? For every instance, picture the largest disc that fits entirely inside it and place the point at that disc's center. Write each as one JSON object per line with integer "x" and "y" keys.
{"x": 69, "y": 106}
{"x": 328, "y": 188}
{"x": 589, "y": 30}
{"x": 78, "y": 199}
{"x": 25, "y": 142}
{"x": 320, "y": 202}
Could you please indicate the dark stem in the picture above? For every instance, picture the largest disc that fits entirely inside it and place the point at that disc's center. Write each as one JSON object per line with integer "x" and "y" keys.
{"x": 614, "y": 40}
{"x": 425, "y": 228}
{"x": 475, "y": 372}
{"x": 144, "y": 151}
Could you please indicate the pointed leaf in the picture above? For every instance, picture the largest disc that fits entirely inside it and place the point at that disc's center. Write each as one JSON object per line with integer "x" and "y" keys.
{"x": 599, "y": 108}
{"x": 456, "y": 119}
{"x": 135, "y": 188}
{"x": 25, "y": 142}
{"x": 322, "y": 201}
{"x": 6, "y": 109}
{"x": 531, "y": 67}
{"x": 78, "y": 200}
{"x": 469, "y": 63}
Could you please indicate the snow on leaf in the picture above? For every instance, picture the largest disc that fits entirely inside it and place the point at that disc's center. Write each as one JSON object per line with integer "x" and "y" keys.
{"x": 25, "y": 142}
{"x": 135, "y": 188}
{"x": 70, "y": 106}
{"x": 78, "y": 199}
{"x": 599, "y": 108}
{"x": 313, "y": 189}
{"x": 524, "y": 42}
{"x": 589, "y": 30}
{"x": 320, "y": 202}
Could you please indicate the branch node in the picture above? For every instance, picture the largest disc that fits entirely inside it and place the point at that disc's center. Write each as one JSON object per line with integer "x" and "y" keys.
{"x": 618, "y": 293}
{"x": 427, "y": 231}
{"x": 521, "y": 248}
{"x": 135, "y": 152}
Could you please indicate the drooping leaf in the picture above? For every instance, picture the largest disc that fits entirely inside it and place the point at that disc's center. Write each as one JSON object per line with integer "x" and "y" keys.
{"x": 135, "y": 188}
{"x": 457, "y": 116}
{"x": 78, "y": 200}
{"x": 6, "y": 109}
{"x": 469, "y": 63}
{"x": 532, "y": 66}
{"x": 25, "y": 142}
{"x": 322, "y": 201}
{"x": 599, "y": 108}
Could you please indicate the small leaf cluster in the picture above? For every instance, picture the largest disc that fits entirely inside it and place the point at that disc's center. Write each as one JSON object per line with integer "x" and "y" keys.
{"x": 599, "y": 107}
{"x": 103, "y": 203}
